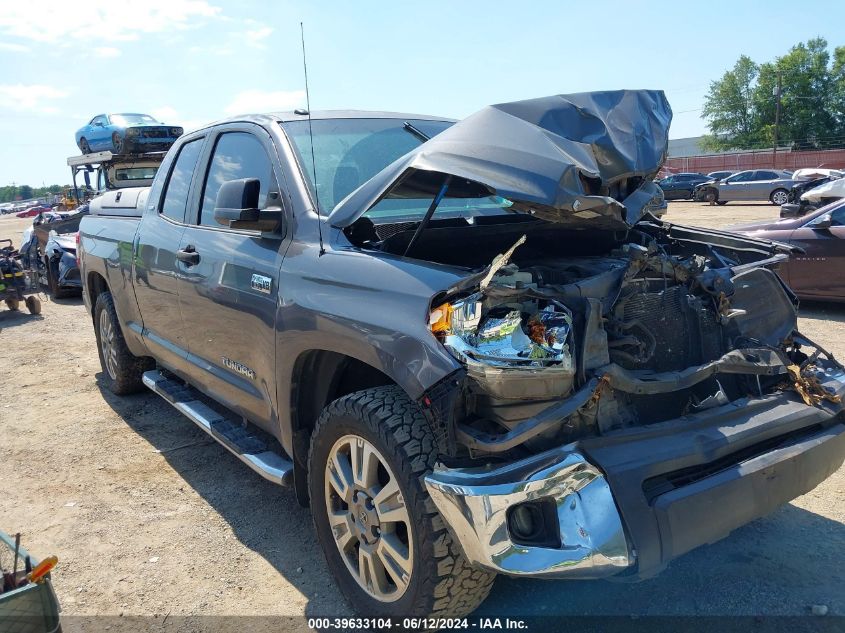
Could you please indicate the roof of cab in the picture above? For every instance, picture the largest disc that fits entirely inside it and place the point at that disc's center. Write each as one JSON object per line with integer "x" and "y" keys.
{"x": 284, "y": 117}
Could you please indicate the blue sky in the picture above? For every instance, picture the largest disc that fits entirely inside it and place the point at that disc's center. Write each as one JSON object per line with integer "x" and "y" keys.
{"x": 193, "y": 61}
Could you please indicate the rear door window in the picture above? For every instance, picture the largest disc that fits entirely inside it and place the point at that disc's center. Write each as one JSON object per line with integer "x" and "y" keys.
{"x": 178, "y": 186}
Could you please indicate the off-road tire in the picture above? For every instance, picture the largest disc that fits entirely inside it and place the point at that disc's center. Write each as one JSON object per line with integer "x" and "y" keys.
{"x": 442, "y": 582}
{"x": 128, "y": 368}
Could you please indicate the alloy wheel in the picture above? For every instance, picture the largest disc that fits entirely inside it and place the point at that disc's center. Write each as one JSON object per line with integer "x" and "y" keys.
{"x": 107, "y": 346}
{"x": 779, "y": 197}
{"x": 369, "y": 519}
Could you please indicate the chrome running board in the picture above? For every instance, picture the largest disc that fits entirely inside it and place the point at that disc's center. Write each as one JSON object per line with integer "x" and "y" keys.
{"x": 238, "y": 440}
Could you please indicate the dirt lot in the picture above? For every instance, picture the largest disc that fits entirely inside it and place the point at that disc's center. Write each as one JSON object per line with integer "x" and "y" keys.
{"x": 148, "y": 516}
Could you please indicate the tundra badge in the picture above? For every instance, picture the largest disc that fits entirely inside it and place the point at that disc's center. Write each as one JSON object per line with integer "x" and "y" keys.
{"x": 261, "y": 283}
{"x": 238, "y": 367}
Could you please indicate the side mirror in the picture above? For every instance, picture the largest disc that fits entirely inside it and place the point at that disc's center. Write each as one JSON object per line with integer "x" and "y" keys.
{"x": 237, "y": 207}
{"x": 822, "y": 222}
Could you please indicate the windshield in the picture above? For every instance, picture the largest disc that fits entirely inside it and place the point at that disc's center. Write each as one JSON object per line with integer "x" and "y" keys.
{"x": 348, "y": 152}
{"x": 132, "y": 119}
{"x": 134, "y": 173}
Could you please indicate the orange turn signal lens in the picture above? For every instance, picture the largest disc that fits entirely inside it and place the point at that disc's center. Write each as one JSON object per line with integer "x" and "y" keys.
{"x": 440, "y": 319}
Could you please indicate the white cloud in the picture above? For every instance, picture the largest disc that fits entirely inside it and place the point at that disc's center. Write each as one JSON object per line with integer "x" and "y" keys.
{"x": 107, "y": 51}
{"x": 15, "y": 48}
{"x": 251, "y": 101}
{"x": 189, "y": 125}
{"x": 170, "y": 115}
{"x": 99, "y": 20}
{"x": 260, "y": 34}
{"x": 30, "y": 98}
{"x": 256, "y": 37}
{"x": 165, "y": 114}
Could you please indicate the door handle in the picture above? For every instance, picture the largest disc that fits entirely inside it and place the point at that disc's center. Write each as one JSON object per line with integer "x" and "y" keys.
{"x": 188, "y": 255}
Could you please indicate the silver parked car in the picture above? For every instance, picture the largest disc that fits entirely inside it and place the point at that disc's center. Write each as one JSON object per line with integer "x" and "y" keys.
{"x": 753, "y": 184}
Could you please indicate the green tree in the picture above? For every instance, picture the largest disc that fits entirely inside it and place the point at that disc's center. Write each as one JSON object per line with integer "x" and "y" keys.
{"x": 728, "y": 107}
{"x": 837, "y": 90}
{"x": 10, "y": 193}
{"x": 806, "y": 118}
{"x": 740, "y": 107}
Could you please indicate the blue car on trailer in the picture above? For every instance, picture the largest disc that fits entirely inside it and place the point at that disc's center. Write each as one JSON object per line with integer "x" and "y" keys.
{"x": 126, "y": 133}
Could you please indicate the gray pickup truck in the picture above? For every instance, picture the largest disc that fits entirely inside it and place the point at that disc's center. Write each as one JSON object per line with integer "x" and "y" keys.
{"x": 470, "y": 347}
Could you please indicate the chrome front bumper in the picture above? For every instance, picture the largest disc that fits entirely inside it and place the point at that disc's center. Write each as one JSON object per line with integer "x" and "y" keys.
{"x": 475, "y": 502}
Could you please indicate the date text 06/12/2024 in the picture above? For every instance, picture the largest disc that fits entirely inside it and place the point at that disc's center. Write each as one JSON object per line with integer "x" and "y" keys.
{"x": 410, "y": 624}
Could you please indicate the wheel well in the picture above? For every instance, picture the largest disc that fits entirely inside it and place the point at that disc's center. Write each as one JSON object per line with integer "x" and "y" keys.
{"x": 319, "y": 377}
{"x": 95, "y": 285}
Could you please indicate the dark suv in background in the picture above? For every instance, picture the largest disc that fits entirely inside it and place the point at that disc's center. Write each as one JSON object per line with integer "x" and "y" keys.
{"x": 681, "y": 186}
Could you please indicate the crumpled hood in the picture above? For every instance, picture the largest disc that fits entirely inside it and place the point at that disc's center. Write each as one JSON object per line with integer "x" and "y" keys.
{"x": 584, "y": 160}
{"x": 830, "y": 189}
{"x": 64, "y": 240}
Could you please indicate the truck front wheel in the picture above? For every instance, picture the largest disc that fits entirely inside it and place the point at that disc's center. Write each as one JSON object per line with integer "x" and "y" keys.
{"x": 122, "y": 370}
{"x": 385, "y": 543}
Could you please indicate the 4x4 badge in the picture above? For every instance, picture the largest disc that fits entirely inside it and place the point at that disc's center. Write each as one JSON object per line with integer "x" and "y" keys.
{"x": 261, "y": 283}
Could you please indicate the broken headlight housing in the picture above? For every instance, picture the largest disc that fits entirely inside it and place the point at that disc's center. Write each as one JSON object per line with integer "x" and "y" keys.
{"x": 518, "y": 350}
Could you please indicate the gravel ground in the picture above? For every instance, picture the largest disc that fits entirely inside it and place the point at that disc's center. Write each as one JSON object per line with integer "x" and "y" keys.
{"x": 150, "y": 517}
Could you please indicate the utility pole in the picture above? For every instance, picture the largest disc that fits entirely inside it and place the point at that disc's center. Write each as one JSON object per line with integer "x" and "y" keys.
{"x": 777, "y": 122}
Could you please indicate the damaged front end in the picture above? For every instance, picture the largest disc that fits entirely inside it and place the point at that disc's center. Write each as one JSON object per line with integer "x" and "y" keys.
{"x": 658, "y": 328}
{"x": 628, "y": 389}
{"x": 617, "y": 411}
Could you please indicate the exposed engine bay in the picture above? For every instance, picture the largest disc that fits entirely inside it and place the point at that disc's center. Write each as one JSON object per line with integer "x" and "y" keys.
{"x": 664, "y": 325}
{"x": 595, "y": 317}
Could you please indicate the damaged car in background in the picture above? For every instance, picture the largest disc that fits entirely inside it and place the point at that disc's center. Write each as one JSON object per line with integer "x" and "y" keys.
{"x": 49, "y": 247}
{"x": 491, "y": 356}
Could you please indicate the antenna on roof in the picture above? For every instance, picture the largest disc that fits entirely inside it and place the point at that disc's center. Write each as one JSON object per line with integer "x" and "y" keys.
{"x": 311, "y": 139}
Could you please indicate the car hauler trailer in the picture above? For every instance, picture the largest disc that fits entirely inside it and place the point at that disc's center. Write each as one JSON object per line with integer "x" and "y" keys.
{"x": 114, "y": 171}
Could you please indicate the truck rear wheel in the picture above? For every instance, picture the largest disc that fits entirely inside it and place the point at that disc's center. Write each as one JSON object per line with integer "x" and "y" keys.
{"x": 122, "y": 370}
{"x": 384, "y": 541}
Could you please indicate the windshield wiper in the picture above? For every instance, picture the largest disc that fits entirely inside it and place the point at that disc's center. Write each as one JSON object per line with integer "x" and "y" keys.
{"x": 416, "y": 131}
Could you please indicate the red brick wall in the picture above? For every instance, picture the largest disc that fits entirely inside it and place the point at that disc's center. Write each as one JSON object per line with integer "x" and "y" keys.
{"x": 830, "y": 158}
